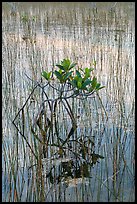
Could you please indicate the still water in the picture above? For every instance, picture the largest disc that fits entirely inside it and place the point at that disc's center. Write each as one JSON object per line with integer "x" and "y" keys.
{"x": 37, "y": 36}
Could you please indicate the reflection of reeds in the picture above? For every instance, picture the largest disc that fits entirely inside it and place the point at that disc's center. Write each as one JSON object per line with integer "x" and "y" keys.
{"x": 82, "y": 35}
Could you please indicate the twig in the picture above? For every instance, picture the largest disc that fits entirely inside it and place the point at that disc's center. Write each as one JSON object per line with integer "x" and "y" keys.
{"x": 110, "y": 177}
{"x": 25, "y": 140}
{"x": 25, "y": 103}
{"x": 102, "y": 105}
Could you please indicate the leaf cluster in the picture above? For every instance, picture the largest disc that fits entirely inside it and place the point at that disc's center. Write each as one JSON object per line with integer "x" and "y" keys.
{"x": 80, "y": 79}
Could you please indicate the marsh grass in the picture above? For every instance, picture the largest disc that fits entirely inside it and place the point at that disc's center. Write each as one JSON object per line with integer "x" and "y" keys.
{"x": 37, "y": 38}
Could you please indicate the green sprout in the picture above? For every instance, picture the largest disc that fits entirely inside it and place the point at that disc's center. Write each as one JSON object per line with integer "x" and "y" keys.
{"x": 80, "y": 79}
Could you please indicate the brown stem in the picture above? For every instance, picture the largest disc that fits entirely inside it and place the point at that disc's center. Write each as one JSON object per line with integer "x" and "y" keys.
{"x": 25, "y": 140}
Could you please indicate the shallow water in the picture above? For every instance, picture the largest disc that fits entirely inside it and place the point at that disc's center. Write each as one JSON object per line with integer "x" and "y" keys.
{"x": 36, "y": 36}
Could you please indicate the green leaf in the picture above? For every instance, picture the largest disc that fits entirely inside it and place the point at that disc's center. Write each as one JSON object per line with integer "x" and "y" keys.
{"x": 73, "y": 83}
{"x": 98, "y": 85}
{"x": 46, "y": 75}
{"x": 86, "y": 82}
{"x": 66, "y": 63}
{"x": 76, "y": 78}
{"x": 59, "y": 76}
{"x": 79, "y": 84}
{"x": 78, "y": 73}
{"x": 79, "y": 79}
{"x": 81, "y": 70}
{"x": 94, "y": 82}
{"x": 72, "y": 65}
{"x": 87, "y": 75}
{"x": 91, "y": 69}
{"x": 101, "y": 87}
{"x": 67, "y": 75}
{"x": 60, "y": 66}
{"x": 87, "y": 72}
{"x": 60, "y": 71}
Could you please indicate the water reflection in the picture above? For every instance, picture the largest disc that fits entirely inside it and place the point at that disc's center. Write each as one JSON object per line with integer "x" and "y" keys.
{"x": 39, "y": 36}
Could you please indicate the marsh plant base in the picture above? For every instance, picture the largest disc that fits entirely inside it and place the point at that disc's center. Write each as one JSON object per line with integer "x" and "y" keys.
{"x": 56, "y": 115}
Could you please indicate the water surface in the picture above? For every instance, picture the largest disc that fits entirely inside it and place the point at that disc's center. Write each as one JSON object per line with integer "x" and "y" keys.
{"x": 36, "y": 36}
